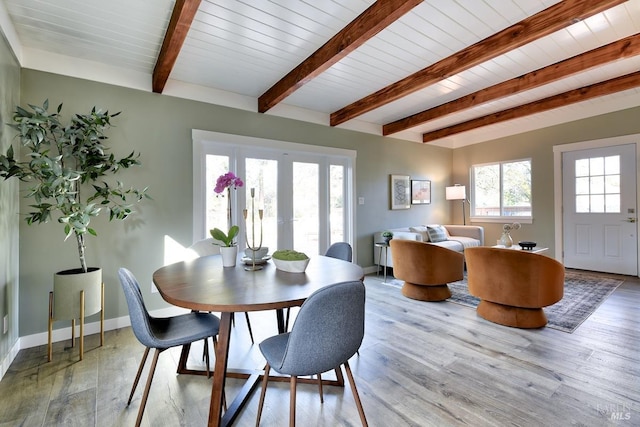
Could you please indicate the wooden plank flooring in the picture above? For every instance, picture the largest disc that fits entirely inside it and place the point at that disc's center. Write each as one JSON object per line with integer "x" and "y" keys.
{"x": 421, "y": 364}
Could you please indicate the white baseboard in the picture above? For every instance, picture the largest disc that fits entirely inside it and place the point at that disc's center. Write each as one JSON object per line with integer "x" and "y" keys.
{"x": 372, "y": 269}
{"x": 6, "y": 362}
{"x": 61, "y": 334}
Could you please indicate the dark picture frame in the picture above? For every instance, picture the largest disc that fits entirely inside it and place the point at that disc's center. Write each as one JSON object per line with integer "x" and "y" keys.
{"x": 420, "y": 192}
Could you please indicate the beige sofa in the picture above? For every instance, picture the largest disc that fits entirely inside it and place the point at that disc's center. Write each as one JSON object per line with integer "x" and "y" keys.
{"x": 458, "y": 238}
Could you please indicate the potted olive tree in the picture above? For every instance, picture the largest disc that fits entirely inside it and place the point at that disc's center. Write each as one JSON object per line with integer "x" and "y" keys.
{"x": 66, "y": 166}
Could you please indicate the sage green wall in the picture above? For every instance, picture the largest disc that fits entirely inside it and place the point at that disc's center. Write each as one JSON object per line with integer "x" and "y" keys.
{"x": 9, "y": 205}
{"x": 160, "y": 128}
{"x": 538, "y": 145}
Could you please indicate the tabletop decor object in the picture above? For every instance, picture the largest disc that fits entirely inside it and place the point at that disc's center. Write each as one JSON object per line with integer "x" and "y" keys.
{"x": 527, "y": 246}
{"x": 505, "y": 239}
{"x": 228, "y": 249}
{"x": 224, "y": 182}
{"x": 290, "y": 261}
{"x": 255, "y": 249}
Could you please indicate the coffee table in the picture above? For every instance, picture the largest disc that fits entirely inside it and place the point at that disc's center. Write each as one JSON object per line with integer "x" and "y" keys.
{"x": 536, "y": 250}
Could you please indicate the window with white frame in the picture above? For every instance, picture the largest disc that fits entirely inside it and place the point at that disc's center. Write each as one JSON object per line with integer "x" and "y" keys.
{"x": 501, "y": 190}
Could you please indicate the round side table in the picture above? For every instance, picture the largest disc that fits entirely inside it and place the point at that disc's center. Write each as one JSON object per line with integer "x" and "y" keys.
{"x": 383, "y": 246}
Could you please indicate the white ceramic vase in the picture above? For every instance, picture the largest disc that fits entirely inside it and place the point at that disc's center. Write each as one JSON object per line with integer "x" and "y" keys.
{"x": 229, "y": 255}
{"x": 506, "y": 239}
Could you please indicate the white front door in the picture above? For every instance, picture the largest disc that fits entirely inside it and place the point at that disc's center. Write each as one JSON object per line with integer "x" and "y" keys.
{"x": 599, "y": 209}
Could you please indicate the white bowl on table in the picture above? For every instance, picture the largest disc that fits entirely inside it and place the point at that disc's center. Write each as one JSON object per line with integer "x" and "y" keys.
{"x": 298, "y": 266}
{"x": 259, "y": 254}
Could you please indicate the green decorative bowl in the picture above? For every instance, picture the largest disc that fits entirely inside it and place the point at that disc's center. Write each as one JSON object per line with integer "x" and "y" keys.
{"x": 298, "y": 266}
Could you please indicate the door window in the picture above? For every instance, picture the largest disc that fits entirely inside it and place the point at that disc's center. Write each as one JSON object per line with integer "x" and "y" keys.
{"x": 597, "y": 181}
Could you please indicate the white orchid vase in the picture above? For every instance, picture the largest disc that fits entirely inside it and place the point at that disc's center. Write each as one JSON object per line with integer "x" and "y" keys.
{"x": 506, "y": 240}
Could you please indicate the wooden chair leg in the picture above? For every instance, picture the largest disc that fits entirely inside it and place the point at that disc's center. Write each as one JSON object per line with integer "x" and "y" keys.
{"x": 206, "y": 356}
{"x": 249, "y": 327}
{"x": 292, "y": 401}
{"x": 50, "y": 348}
{"x": 73, "y": 333}
{"x": 339, "y": 377}
{"x": 286, "y": 323}
{"x": 135, "y": 381}
{"x": 320, "y": 388}
{"x": 102, "y": 314}
{"x": 81, "y": 350}
{"x": 145, "y": 395}
{"x": 356, "y": 396}
{"x": 265, "y": 380}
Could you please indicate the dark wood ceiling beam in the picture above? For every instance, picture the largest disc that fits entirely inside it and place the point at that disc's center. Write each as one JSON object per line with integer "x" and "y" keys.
{"x": 370, "y": 22}
{"x": 628, "y": 81}
{"x": 548, "y": 21}
{"x": 181, "y": 18}
{"x": 624, "y": 48}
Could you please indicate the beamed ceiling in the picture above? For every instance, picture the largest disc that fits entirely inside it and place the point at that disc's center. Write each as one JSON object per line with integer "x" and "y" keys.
{"x": 442, "y": 72}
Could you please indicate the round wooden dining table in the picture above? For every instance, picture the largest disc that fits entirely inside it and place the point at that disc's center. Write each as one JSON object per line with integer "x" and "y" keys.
{"x": 203, "y": 284}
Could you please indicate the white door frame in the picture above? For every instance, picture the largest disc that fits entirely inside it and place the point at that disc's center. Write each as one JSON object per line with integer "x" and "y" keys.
{"x": 558, "y": 150}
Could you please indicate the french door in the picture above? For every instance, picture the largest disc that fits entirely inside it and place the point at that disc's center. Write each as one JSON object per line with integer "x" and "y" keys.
{"x": 288, "y": 188}
{"x": 303, "y": 196}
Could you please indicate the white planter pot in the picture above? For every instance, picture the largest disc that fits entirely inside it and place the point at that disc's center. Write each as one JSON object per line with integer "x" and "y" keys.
{"x": 76, "y": 295}
{"x": 229, "y": 255}
{"x": 66, "y": 290}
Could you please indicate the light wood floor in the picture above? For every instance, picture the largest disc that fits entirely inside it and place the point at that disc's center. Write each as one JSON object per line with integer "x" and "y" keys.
{"x": 421, "y": 364}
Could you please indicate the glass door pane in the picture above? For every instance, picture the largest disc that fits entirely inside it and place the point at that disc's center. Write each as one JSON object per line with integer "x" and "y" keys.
{"x": 306, "y": 220}
{"x": 216, "y": 205}
{"x": 262, "y": 175}
{"x": 336, "y": 204}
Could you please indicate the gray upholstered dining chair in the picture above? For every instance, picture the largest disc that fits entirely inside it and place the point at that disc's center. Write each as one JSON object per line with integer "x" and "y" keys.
{"x": 326, "y": 333}
{"x": 340, "y": 250}
{"x": 161, "y": 333}
{"x": 207, "y": 247}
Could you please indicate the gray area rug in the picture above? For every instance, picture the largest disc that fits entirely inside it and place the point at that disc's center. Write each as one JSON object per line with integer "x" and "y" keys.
{"x": 583, "y": 293}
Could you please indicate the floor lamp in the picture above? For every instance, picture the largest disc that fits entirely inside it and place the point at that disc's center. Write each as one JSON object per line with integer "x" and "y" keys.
{"x": 457, "y": 192}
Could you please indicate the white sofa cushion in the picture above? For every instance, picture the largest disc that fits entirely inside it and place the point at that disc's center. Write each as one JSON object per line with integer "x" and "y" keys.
{"x": 466, "y": 242}
{"x": 437, "y": 233}
{"x": 422, "y": 230}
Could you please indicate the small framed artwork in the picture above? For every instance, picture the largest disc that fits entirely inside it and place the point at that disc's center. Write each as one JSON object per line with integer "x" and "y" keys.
{"x": 420, "y": 192}
{"x": 400, "y": 194}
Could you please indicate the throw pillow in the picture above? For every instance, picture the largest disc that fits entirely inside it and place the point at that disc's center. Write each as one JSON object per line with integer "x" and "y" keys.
{"x": 422, "y": 230}
{"x": 437, "y": 233}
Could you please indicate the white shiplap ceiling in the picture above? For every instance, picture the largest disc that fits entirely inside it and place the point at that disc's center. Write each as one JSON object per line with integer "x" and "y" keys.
{"x": 236, "y": 50}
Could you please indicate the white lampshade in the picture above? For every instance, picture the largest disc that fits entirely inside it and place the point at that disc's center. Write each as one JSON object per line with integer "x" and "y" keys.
{"x": 456, "y": 192}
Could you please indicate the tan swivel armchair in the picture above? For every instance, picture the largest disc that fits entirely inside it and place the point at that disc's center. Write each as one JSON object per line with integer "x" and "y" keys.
{"x": 513, "y": 285}
{"x": 426, "y": 269}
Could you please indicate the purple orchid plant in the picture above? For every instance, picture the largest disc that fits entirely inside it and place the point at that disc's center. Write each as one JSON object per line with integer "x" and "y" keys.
{"x": 224, "y": 182}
